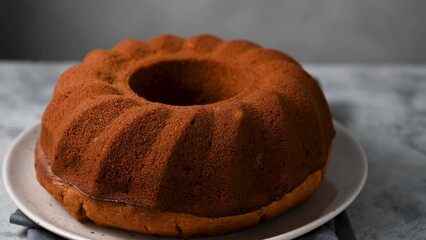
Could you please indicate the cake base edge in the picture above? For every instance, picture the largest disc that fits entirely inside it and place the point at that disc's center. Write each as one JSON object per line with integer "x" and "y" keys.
{"x": 166, "y": 224}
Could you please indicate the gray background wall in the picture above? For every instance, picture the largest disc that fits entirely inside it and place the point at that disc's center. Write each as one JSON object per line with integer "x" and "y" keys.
{"x": 324, "y": 31}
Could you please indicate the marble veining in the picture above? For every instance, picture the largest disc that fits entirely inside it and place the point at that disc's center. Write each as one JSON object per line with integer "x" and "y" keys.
{"x": 383, "y": 106}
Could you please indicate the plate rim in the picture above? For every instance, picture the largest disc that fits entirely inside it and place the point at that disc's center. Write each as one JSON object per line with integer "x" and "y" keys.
{"x": 8, "y": 185}
{"x": 332, "y": 214}
{"x": 287, "y": 235}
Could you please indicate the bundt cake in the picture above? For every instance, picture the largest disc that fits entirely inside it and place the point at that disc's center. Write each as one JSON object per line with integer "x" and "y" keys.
{"x": 184, "y": 137}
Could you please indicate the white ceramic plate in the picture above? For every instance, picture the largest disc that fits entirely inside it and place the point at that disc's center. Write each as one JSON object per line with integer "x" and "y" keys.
{"x": 346, "y": 176}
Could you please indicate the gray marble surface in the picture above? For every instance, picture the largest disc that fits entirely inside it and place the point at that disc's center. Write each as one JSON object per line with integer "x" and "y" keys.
{"x": 383, "y": 106}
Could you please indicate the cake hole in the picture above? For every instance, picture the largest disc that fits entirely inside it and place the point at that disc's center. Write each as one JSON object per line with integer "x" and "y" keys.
{"x": 187, "y": 82}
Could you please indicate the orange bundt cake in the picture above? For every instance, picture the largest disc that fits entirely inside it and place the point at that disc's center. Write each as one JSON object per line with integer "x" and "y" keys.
{"x": 184, "y": 137}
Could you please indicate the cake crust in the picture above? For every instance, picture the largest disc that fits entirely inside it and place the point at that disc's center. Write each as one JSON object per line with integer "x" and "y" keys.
{"x": 166, "y": 224}
{"x": 184, "y": 136}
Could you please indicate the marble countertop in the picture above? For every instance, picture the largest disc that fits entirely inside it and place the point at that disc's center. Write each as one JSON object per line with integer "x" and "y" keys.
{"x": 383, "y": 106}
